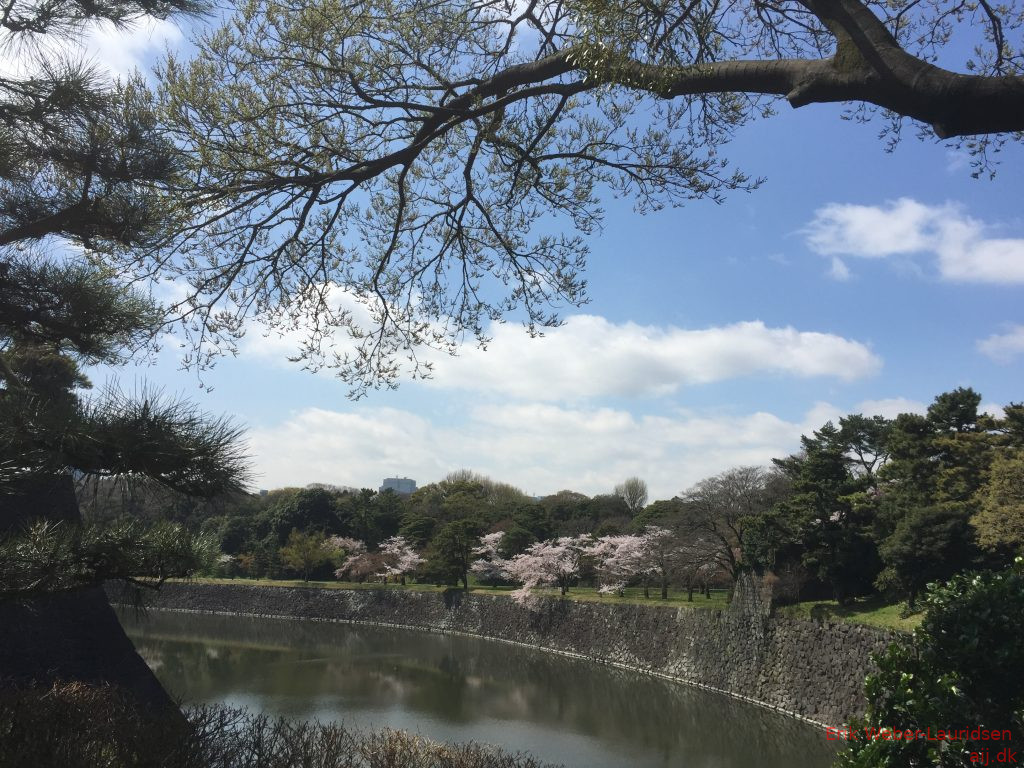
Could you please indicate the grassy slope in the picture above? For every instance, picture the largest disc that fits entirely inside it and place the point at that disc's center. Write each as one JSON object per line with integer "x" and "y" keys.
{"x": 871, "y": 611}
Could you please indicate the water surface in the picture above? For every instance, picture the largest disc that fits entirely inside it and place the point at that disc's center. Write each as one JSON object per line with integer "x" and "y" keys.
{"x": 452, "y": 688}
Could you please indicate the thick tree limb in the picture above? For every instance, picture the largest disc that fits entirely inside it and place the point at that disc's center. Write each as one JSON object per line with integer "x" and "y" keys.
{"x": 953, "y": 104}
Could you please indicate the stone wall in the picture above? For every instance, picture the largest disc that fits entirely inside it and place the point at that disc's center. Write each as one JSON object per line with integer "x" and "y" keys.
{"x": 812, "y": 670}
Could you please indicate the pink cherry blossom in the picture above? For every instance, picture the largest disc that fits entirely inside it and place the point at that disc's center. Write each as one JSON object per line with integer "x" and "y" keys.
{"x": 547, "y": 563}
{"x": 490, "y": 568}
{"x": 400, "y": 559}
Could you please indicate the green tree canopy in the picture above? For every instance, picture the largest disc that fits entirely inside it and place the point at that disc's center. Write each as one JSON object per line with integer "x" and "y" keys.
{"x": 82, "y": 163}
{"x": 928, "y": 545}
{"x": 304, "y": 552}
{"x": 999, "y": 519}
{"x": 451, "y": 552}
{"x": 831, "y": 510}
{"x": 55, "y": 318}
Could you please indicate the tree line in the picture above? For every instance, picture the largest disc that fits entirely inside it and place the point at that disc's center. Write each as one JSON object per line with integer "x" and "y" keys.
{"x": 868, "y": 505}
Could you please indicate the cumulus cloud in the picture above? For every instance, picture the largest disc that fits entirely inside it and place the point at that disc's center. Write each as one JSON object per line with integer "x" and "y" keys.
{"x": 540, "y": 447}
{"x": 1004, "y": 347}
{"x": 872, "y": 231}
{"x": 591, "y": 357}
{"x": 961, "y": 245}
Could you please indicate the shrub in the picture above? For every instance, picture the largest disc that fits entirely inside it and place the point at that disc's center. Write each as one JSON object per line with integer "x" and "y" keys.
{"x": 74, "y": 725}
{"x": 964, "y": 669}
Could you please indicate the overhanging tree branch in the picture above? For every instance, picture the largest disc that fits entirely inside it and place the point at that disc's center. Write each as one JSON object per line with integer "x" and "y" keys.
{"x": 387, "y": 175}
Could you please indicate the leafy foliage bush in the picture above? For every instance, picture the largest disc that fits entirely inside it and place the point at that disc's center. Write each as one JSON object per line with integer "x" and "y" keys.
{"x": 963, "y": 670}
{"x": 74, "y": 725}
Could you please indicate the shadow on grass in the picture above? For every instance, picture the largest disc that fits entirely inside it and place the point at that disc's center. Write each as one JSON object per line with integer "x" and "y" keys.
{"x": 873, "y": 611}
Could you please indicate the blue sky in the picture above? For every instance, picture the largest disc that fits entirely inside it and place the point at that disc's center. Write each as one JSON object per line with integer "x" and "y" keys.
{"x": 853, "y": 280}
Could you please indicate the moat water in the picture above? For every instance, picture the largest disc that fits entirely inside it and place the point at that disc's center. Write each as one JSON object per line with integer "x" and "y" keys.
{"x": 451, "y": 688}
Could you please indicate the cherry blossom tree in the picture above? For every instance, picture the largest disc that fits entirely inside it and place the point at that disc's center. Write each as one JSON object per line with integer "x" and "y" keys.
{"x": 491, "y": 567}
{"x": 620, "y": 559}
{"x": 350, "y": 554}
{"x": 657, "y": 554}
{"x": 547, "y": 563}
{"x": 664, "y": 550}
{"x": 345, "y": 546}
{"x": 400, "y": 559}
{"x": 362, "y": 566}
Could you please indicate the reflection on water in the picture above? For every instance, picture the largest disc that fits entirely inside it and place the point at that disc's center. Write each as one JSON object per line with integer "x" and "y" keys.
{"x": 453, "y": 688}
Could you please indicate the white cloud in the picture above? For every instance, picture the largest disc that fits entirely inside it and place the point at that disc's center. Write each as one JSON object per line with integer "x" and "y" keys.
{"x": 977, "y": 260}
{"x": 363, "y": 447}
{"x": 116, "y": 52}
{"x": 996, "y": 411}
{"x": 1004, "y": 347}
{"x": 959, "y": 243}
{"x": 275, "y": 346}
{"x": 121, "y": 51}
{"x": 592, "y": 357}
{"x": 838, "y": 270}
{"x": 891, "y": 407}
{"x": 957, "y": 160}
{"x": 541, "y": 448}
{"x": 871, "y": 231}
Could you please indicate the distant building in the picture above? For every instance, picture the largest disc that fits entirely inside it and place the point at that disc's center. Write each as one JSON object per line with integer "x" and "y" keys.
{"x": 398, "y": 485}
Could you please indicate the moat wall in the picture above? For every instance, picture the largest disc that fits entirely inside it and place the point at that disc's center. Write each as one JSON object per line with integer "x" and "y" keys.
{"x": 813, "y": 670}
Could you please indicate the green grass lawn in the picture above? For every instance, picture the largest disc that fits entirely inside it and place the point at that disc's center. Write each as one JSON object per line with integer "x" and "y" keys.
{"x": 631, "y": 596}
{"x": 872, "y": 611}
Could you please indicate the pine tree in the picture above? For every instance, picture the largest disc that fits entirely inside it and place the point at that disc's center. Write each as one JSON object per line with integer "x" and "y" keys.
{"x": 80, "y": 159}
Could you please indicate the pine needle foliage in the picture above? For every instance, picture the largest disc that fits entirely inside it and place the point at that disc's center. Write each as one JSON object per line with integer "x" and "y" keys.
{"x": 55, "y": 557}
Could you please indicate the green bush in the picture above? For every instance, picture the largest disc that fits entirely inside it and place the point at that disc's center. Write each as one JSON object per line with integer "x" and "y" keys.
{"x": 962, "y": 671}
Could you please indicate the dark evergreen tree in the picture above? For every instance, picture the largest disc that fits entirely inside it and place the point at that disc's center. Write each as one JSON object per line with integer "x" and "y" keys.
{"x": 451, "y": 552}
{"x": 831, "y": 510}
{"x": 928, "y": 545}
{"x": 81, "y": 162}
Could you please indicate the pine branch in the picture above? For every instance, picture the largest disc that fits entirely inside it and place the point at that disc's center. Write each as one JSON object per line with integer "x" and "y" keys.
{"x": 54, "y": 557}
